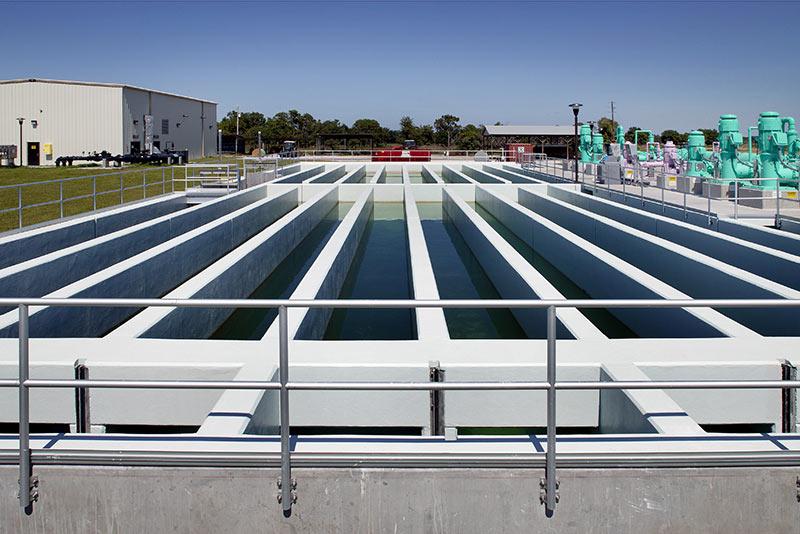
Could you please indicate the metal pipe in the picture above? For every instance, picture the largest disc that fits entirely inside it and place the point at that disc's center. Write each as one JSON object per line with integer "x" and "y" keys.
{"x": 19, "y": 203}
{"x": 401, "y": 386}
{"x": 550, "y": 469}
{"x": 283, "y": 371}
{"x": 25, "y": 468}
{"x": 402, "y": 303}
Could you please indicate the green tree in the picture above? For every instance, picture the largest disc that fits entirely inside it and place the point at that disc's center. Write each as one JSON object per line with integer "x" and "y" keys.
{"x": 424, "y": 135}
{"x": 608, "y": 128}
{"x": 407, "y": 128}
{"x": 447, "y": 128}
{"x": 630, "y": 134}
{"x": 674, "y": 136}
{"x": 712, "y": 135}
{"x": 470, "y": 137}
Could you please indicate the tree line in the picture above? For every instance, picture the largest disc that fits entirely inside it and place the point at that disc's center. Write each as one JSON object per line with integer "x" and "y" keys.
{"x": 608, "y": 128}
{"x": 292, "y": 125}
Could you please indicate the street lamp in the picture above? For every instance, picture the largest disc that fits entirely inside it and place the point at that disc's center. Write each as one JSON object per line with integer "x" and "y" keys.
{"x": 575, "y": 110}
{"x": 259, "y": 142}
{"x": 219, "y": 141}
{"x": 236, "y": 142}
{"x": 20, "y": 120}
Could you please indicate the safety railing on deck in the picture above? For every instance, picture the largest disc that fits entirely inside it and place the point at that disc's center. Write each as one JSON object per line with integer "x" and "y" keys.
{"x": 637, "y": 181}
{"x": 54, "y": 199}
{"x": 28, "y": 484}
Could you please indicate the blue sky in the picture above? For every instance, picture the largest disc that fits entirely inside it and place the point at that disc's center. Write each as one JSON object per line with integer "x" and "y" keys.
{"x": 665, "y": 64}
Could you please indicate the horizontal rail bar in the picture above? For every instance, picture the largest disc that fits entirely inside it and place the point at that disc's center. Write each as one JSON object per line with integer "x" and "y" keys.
{"x": 402, "y": 386}
{"x": 400, "y": 303}
{"x": 137, "y": 172}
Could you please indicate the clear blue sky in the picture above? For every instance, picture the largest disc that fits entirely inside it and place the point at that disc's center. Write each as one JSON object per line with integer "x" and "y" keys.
{"x": 666, "y": 64}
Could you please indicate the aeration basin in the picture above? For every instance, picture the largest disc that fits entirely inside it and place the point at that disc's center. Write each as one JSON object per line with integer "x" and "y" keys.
{"x": 406, "y": 230}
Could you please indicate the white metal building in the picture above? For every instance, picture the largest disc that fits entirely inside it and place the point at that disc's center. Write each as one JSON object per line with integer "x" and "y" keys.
{"x": 63, "y": 118}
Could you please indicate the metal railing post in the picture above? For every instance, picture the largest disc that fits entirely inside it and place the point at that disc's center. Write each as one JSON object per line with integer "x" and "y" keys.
{"x": 144, "y": 185}
{"x": 163, "y": 180}
{"x": 94, "y": 193}
{"x": 736, "y": 199}
{"x": 19, "y": 204}
{"x": 285, "y": 484}
{"x": 551, "y": 484}
{"x": 121, "y": 188}
{"x": 83, "y": 423}
{"x": 61, "y": 198}
{"x": 777, "y": 203}
{"x": 27, "y": 483}
{"x": 172, "y": 180}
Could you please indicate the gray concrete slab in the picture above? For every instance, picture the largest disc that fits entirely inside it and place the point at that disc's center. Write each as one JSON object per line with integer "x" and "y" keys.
{"x": 625, "y": 501}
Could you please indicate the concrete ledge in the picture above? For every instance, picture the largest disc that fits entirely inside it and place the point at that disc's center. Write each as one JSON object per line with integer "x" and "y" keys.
{"x": 235, "y": 275}
{"x": 695, "y": 274}
{"x": 774, "y": 265}
{"x": 329, "y": 176}
{"x": 25, "y": 244}
{"x": 300, "y": 176}
{"x": 151, "y": 273}
{"x": 430, "y": 322}
{"x": 640, "y": 410}
{"x": 380, "y": 175}
{"x": 481, "y": 176}
{"x": 355, "y": 177}
{"x": 603, "y": 275}
{"x": 328, "y": 273}
{"x": 769, "y": 237}
{"x": 512, "y": 275}
{"x": 452, "y": 176}
{"x": 430, "y": 176}
{"x": 624, "y": 501}
{"x": 44, "y": 274}
{"x": 511, "y": 176}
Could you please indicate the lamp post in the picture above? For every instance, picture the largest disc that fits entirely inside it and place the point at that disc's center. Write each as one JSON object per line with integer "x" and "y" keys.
{"x": 575, "y": 109}
{"x": 20, "y": 120}
{"x": 219, "y": 141}
{"x": 259, "y": 142}
{"x": 236, "y": 142}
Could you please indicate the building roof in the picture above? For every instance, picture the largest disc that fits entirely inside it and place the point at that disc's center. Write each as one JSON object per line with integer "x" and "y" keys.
{"x": 521, "y": 131}
{"x": 101, "y": 84}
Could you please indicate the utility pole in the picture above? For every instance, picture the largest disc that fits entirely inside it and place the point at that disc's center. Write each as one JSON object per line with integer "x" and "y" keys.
{"x": 613, "y": 124}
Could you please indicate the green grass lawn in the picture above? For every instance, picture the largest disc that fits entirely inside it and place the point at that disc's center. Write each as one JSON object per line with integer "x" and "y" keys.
{"x": 85, "y": 179}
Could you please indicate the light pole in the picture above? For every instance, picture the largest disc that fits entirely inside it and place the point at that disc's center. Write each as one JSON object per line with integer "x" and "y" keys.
{"x": 219, "y": 141}
{"x": 575, "y": 109}
{"x": 20, "y": 120}
{"x": 236, "y": 142}
{"x": 259, "y": 142}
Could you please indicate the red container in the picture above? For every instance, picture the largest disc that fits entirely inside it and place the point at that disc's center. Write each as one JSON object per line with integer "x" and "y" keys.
{"x": 514, "y": 151}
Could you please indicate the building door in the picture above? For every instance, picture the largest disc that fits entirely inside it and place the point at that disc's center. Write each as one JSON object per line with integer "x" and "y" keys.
{"x": 33, "y": 153}
{"x": 136, "y": 147}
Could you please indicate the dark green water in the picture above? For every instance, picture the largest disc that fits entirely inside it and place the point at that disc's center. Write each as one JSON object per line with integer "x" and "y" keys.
{"x": 416, "y": 177}
{"x": 380, "y": 270}
{"x": 249, "y": 323}
{"x": 601, "y": 318}
{"x": 460, "y": 276}
{"x": 394, "y": 177}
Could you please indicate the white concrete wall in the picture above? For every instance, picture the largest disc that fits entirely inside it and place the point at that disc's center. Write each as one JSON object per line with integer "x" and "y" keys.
{"x": 41, "y": 275}
{"x": 151, "y": 273}
{"x": 695, "y": 274}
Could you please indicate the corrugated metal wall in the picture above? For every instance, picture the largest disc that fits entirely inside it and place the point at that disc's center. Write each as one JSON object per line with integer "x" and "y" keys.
{"x": 75, "y": 119}
{"x": 79, "y": 119}
{"x": 189, "y": 123}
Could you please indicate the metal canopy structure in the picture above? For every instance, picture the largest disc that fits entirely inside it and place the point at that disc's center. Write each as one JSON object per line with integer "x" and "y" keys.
{"x": 553, "y": 140}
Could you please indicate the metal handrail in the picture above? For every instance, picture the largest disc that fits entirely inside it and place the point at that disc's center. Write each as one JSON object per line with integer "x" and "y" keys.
{"x": 28, "y": 489}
